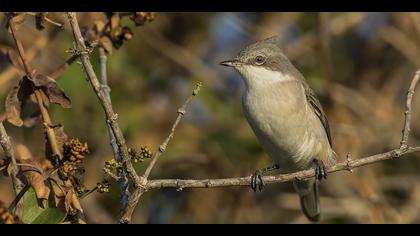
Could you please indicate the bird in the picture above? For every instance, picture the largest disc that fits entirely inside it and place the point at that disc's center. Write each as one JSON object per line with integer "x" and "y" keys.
{"x": 287, "y": 119}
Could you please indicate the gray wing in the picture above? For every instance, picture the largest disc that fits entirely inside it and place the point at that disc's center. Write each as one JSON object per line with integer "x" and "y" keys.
{"x": 317, "y": 108}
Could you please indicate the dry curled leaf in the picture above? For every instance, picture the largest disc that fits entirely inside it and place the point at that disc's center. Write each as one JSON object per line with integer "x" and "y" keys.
{"x": 51, "y": 89}
{"x": 31, "y": 173}
{"x": 15, "y": 100}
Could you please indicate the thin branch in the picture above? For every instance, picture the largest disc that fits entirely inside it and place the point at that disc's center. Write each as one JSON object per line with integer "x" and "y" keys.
{"x": 111, "y": 117}
{"x": 28, "y": 70}
{"x": 181, "y": 112}
{"x": 6, "y": 144}
{"x": 180, "y": 184}
{"x": 407, "y": 113}
{"x": 135, "y": 196}
{"x": 122, "y": 177}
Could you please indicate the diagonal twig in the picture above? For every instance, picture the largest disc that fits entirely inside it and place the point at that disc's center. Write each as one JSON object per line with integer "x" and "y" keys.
{"x": 407, "y": 113}
{"x": 139, "y": 191}
{"x": 111, "y": 117}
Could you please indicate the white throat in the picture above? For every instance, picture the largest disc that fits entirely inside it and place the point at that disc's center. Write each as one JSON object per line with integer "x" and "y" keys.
{"x": 257, "y": 76}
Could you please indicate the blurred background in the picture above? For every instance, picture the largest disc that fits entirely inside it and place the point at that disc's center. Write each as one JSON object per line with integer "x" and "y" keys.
{"x": 360, "y": 65}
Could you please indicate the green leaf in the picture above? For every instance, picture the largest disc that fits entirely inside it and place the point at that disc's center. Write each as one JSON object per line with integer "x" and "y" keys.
{"x": 33, "y": 214}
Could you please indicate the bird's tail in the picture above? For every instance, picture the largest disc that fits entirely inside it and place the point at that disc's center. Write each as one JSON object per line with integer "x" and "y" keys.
{"x": 309, "y": 198}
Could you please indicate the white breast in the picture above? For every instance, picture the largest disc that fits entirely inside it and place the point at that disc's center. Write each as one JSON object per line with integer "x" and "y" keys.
{"x": 256, "y": 76}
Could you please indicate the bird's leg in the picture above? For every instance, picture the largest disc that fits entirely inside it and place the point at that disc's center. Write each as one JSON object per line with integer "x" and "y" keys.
{"x": 256, "y": 178}
{"x": 320, "y": 171}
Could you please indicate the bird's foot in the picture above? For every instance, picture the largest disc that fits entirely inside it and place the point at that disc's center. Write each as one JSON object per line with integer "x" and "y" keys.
{"x": 257, "y": 181}
{"x": 320, "y": 171}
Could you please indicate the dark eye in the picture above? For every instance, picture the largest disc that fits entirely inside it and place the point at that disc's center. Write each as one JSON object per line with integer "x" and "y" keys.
{"x": 259, "y": 60}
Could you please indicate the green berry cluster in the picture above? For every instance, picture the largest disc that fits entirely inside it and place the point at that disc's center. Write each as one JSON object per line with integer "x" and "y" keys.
{"x": 103, "y": 187}
{"x": 144, "y": 153}
{"x": 112, "y": 165}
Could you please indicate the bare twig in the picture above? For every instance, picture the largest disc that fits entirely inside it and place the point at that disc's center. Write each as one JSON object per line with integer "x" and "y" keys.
{"x": 135, "y": 197}
{"x": 407, "y": 113}
{"x": 111, "y": 117}
{"x": 122, "y": 177}
{"x": 28, "y": 70}
{"x": 181, "y": 112}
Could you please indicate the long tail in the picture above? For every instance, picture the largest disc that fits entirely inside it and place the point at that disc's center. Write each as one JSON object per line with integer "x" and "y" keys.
{"x": 309, "y": 198}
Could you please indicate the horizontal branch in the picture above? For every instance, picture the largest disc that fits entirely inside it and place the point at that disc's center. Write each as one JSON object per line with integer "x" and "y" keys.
{"x": 348, "y": 165}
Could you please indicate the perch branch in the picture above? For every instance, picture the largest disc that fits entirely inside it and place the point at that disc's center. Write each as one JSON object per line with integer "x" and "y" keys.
{"x": 121, "y": 178}
{"x": 180, "y": 184}
{"x": 111, "y": 117}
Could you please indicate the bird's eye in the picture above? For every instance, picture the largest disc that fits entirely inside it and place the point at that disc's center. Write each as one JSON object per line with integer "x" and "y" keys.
{"x": 259, "y": 60}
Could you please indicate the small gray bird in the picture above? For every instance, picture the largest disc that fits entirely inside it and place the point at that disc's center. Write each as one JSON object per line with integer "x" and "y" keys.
{"x": 287, "y": 118}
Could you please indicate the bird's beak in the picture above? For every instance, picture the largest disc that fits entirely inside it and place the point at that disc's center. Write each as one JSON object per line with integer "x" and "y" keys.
{"x": 230, "y": 63}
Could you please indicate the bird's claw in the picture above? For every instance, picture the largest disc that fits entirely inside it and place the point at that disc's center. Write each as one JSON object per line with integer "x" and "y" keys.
{"x": 320, "y": 171}
{"x": 257, "y": 181}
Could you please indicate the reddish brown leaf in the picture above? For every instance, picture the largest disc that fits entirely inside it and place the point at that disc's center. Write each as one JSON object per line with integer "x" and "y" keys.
{"x": 15, "y": 100}
{"x": 32, "y": 174}
{"x": 51, "y": 90}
